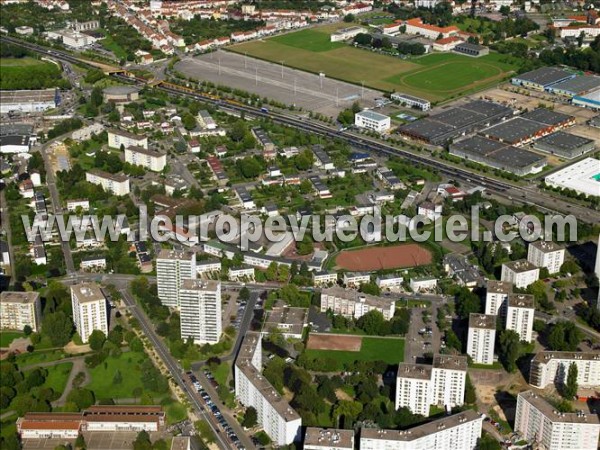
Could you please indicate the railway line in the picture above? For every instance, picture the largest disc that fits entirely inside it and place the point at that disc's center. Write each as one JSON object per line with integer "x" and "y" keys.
{"x": 513, "y": 192}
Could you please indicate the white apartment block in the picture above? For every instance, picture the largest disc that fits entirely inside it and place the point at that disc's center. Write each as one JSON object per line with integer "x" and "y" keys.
{"x": 521, "y": 273}
{"x": 200, "y": 311}
{"x": 372, "y": 120}
{"x": 481, "y": 338}
{"x": 448, "y": 378}
{"x": 241, "y": 273}
{"x": 172, "y": 267}
{"x": 496, "y": 297}
{"x": 323, "y": 278}
{"x": 281, "y": 423}
{"x": 423, "y": 284}
{"x": 457, "y": 432}
{"x": 328, "y": 439}
{"x": 117, "y": 184}
{"x": 208, "y": 266}
{"x": 520, "y": 314}
{"x": 413, "y": 388}
{"x": 546, "y": 254}
{"x": 355, "y": 279}
{"x": 550, "y": 367}
{"x": 389, "y": 281}
{"x": 418, "y": 385}
{"x": 19, "y": 309}
{"x": 116, "y": 138}
{"x": 147, "y": 158}
{"x": 540, "y": 423}
{"x": 89, "y": 309}
{"x": 93, "y": 262}
{"x": 350, "y": 303}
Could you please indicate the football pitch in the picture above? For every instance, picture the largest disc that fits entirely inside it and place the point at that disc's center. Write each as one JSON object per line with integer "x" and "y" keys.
{"x": 436, "y": 77}
{"x": 390, "y": 350}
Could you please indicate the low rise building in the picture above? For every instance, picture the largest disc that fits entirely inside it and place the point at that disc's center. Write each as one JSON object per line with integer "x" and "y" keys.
{"x": 372, "y": 120}
{"x": 389, "y": 281}
{"x": 521, "y": 273}
{"x": 413, "y": 102}
{"x": 582, "y": 177}
{"x": 72, "y": 205}
{"x": 345, "y": 34}
{"x": 350, "y": 303}
{"x": 241, "y": 273}
{"x": 93, "y": 262}
{"x": 355, "y": 279}
{"x": 322, "y": 278}
{"x": 20, "y": 309}
{"x": 565, "y": 145}
{"x": 289, "y": 321}
{"x": 423, "y": 284}
{"x": 29, "y": 101}
{"x": 541, "y": 424}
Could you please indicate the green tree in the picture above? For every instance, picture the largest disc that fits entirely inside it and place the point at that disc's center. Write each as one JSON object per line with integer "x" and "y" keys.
{"x": 82, "y": 398}
{"x": 371, "y": 323}
{"x": 96, "y": 97}
{"x": 470, "y": 395}
{"x": 509, "y": 349}
{"x": 488, "y": 442}
{"x": 96, "y": 340}
{"x": 58, "y": 327}
{"x": 80, "y": 442}
{"x": 348, "y": 18}
{"x": 189, "y": 121}
{"x": 570, "y": 387}
{"x": 250, "y": 418}
{"x": 27, "y": 330}
{"x": 244, "y": 294}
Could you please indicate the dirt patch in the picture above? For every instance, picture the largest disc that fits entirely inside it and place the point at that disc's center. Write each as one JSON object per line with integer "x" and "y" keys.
{"x": 341, "y": 395}
{"x": 334, "y": 342}
{"x": 384, "y": 258}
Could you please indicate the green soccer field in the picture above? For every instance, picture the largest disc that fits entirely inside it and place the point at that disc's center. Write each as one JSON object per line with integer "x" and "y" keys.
{"x": 436, "y": 76}
{"x": 390, "y": 350}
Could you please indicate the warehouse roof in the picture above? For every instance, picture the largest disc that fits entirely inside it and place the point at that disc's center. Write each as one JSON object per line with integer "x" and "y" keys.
{"x": 515, "y": 130}
{"x": 498, "y": 151}
{"x": 578, "y": 85}
{"x": 544, "y": 76}
{"x": 564, "y": 141}
{"x": 547, "y": 116}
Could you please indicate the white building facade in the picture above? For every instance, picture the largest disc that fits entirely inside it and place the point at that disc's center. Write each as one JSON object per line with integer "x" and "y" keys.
{"x": 520, "y": 315}
{"x": 372, "y": 120}
{"x": 481, "y": 338}
{"x": 89, "y": 309}
{"x": 172, "y": 267}
{"x": 546, "y": 254}
{"x": 20, "y": 309}
{"x": 200, "y": 311}
{"x": 149, "y": 159}
{"x": 521, "y": 273}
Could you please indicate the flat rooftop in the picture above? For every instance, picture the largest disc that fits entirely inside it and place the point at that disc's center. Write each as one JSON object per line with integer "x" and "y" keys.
{"x": 117, "y": 177}
{"x": 578, "y": 85}
{"x": 501, "y": 152}
{"x": 544, "y": 76}
{"x": 145, "y": 151}
{"x": 27, "y": 96}
{"x": 176, "y": 255}
{"x": 329, "y": 437}
{"x": 546, "y": 246}
{"x": 553, "y": 415}
{"x": 499, "y": 287}
{"x": 18, "y": 297}
{"x": 519, "y": 266}
{"x": 564, "y": 141}
{"x": 421, "y": 431}
{"x": 547, "y": 116}
{"x": 485, "y": 321}
{"x": 372, "y": 115}
{"x": 546, "y": 356}
{"x": 351, "y": 294}
{"x": 582, "y": 176}
{"x": 450, "y": 362}
{"x": 200, "y": 285}
{"x": 120, "y": 90}
{"x": 414, "y": 371}
{"x": 87, "y": 292}
{"x": 521, "y": 301}
{"x": 126, "y": 134}
{"x": 514, "y": 130}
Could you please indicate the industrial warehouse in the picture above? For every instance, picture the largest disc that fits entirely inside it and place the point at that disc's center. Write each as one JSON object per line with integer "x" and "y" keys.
{"x": 565, "y": 145}
{"x": 30, "y": 101}
{"x": 582, "y": 177}
{"x": 441, "y": 128}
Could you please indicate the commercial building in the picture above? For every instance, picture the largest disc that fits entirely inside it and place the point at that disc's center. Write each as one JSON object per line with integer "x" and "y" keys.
{"x": 541, "y": 424}
{"x": 148, "y": 158}
{"x": 564, "y": 145}
{"x": 328, "y": 439}
{"x": 481, "y": 338}
{"x": 550, "y": 367}
{"x": 469, "y": 49}
{"x": 496, "y": 297}
{"x": 115, "y": 183}
{"x": 419, "y": 385}
{"x": 29, "y": 101}
{"x": 456, "y": 432}
{"x": 20, "y": 309}
{"x": 441, "y": 128}
{"x": 200, "y": 311}
{"x": 35, "y": 425}
{"x": 72, "y": 38}
{"x": 582, "y": 176}
{"x": 345, "y": 34}
{"x": 520, "y": 311}
{"x": 590, "y": 100}
{"x": 541, "y": 79}
{"x": 172, "y": 267}
{"x": 351, "y": 303}
{"x": 15, "y": 144}
{"x": 579, "y": 85}
{"x": 89, "y": 309}
{"x": 413, "y": 102}
{"x": 521, "y": 273}
{"x": 372, "y": 120}
{"x": 121, "y": 94}
{"x": 546, "y": 254}
{"x": 116, "y": 138}
{"x": 281, "y": 423}
{"x": 290, "y": 321}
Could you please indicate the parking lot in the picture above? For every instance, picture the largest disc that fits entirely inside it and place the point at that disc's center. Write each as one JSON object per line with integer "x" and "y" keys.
{"x": 96, "y": 440}
{"x": 423, "y": 337}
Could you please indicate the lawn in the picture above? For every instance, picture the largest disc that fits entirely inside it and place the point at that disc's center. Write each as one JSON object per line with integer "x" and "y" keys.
{"x": 21, "y": 62}
{"x": 29, "y": 73}
{"x": 425, "y": 76}
{"x": 222, "y": 373}
{"x": 176, "y": 412}
{"x": 390, "y": 350}
{"x": 109, "y": 44}
{"x": 6, "y": 337}
{"x": 41, "y": 356}
{"x": 102, "y": 376}
{"x": 58, "y": 376}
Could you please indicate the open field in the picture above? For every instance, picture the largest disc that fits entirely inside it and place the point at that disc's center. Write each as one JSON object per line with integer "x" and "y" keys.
{"x": 425, "y": 76}
{"x": 390, "y": 350}
{"x": 329, "y": 342}
{"x": 6, "y": 337}
{"x": 28, "y": 73}
{"x": 384, "y": 258}
{"x": 58, "y": 376}
{"x": 102, "y": 376}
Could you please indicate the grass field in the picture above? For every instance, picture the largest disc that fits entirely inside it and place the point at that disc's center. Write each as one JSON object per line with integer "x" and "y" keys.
{"x": 41, "y": 356}
{"x": 28, "y": 73}
{"x": 176, "y": 412}
{"x": 58, "y": 376}
{"x": 6, "y": 337}
{"x": 425, "y": 76}
{"x": 390, "y": 350}
{"x": 102, "y": 377}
